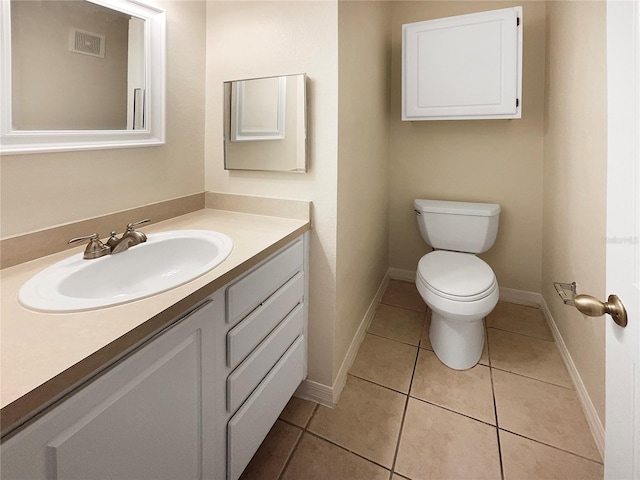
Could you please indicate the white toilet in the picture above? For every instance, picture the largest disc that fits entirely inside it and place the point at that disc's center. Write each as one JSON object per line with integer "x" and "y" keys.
{"x": 459, "y": 287}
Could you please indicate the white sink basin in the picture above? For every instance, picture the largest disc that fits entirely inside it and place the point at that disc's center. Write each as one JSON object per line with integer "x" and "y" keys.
{"x": 164, "y": 261}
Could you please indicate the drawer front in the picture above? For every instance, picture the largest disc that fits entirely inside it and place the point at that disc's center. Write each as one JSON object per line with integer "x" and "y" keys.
{"x": 245, "y": 336}
{"x": 250, "y": 372}
{"x": 249, "y": 292}
{"x": 248, "y": 427}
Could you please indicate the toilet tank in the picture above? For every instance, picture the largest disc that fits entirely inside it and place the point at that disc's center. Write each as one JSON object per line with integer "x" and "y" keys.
{"x": 458, "y": 226}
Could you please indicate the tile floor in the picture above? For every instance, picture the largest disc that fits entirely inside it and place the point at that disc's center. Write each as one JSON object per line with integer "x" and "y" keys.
{"x": 404, "y": 415}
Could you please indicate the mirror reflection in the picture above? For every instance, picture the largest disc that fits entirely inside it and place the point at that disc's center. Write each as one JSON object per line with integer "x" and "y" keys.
{"x": 76, "y": 65}
{"x": 265, "y": 124}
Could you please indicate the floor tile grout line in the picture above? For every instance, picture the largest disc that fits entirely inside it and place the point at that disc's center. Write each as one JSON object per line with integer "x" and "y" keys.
{"x": 495, "y": 407}
{"x": 303, "y": 428}
{"x": 453, "y": 411}
{"x": 401, "y": 306}
{"x": 404, "y": 415}
{"x": 393, "y": 339}
{"x": 319, "y": 436}
{"x": 404, "y": 477}
{"x": 572, "y": 389}
{"x": 408, "y": 392}
{"x": 342, "y": 447}
{"x": 380, "y": 385}
{"x": 569, "y": 452}
{"x": 521, "y": 334}
{"x": 424, "y": 325}
{"x": 293, "y": 451}
{"x": 295, "y": 447}
{"x": 289, "y": 422}
{"x": 492, "y": 367}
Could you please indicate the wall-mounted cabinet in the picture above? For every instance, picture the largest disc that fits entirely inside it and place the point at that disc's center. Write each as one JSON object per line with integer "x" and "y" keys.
{"x": 464, "y": 67}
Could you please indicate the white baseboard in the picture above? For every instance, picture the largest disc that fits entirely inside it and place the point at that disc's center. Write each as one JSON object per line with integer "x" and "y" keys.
{"x": 328, "y": 396}
{"x": 316, "y": 392}
{"x": 521, "y": 297}
{"x": 595, "y": 424}
{"x": 399, "y": 274}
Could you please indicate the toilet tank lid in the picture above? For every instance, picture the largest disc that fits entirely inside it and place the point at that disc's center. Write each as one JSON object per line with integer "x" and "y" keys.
{"x": 457, "y": 208}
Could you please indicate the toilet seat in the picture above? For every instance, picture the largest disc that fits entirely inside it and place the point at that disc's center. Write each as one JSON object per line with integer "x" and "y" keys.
{"x": 457, "y": 276}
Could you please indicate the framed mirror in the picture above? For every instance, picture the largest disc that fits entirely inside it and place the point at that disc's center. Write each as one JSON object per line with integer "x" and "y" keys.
{"x": 81, "y": 75}
{"x": 265, "y": 124}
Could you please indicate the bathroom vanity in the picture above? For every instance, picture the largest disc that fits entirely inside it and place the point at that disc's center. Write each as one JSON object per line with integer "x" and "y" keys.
{"x": 193, "y": 398}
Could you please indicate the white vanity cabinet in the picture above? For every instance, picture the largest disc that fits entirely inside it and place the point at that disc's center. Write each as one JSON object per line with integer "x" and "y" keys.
{"x": 463, "y": 67}
{"x": 194, "y": 402}
{"x": 265, "y": 348}
{"x": 145, "y": 418}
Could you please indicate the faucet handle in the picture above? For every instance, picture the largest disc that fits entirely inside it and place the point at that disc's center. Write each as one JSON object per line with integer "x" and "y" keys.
{"x": 131, "y": 226}
{"x": 95, "y": 248}
{"x": 93, "y": 236}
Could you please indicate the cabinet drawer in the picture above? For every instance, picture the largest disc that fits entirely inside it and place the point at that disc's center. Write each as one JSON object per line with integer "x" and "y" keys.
{"x": 248, "y": 427}
{"x": 249, "y": 374}
{"x": 244, "y": 337}
{"x": 249, "y": 292}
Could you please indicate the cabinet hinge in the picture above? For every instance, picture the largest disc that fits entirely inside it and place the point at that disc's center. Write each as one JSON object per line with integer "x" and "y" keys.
{"x": 517, "y": 21}
{"x": 517, "y": 102}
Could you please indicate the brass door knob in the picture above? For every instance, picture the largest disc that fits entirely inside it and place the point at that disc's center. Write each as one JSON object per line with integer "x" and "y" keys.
{"x": 593, "y": 307}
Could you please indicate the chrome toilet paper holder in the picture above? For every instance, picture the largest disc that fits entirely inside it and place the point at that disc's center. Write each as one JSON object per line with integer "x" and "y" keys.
{"x": 567, "y": 292}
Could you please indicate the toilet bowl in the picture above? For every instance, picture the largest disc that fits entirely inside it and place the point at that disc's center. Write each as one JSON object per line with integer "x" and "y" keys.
{"x": 459, "y": 288}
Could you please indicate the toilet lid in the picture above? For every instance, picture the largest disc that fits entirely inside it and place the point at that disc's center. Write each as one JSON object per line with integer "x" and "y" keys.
{"x": 457, "y": 276}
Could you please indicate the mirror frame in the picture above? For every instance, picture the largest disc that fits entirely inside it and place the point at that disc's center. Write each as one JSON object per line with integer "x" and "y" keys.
{"x": 33, "y": 141}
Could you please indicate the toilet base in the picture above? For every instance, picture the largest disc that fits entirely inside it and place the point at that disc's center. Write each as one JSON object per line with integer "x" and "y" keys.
{"x": 457, "y": 344}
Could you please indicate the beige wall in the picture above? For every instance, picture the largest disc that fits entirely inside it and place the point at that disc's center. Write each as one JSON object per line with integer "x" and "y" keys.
{"x": 258, "y": 39}
{"x": 480, "y": 160}
{"x": 42, "y": 190}
{"x": 363, "y": 149}
{"x": 575, "y": 152}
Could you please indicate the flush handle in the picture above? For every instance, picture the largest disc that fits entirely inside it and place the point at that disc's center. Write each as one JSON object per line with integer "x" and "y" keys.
{"x": 593, "y": 307}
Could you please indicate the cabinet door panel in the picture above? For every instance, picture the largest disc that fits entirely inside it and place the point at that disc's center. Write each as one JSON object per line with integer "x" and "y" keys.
{"x": 464, "y": 66}
{"x": 144, "y": 418}
{"x": 134, "y": 432}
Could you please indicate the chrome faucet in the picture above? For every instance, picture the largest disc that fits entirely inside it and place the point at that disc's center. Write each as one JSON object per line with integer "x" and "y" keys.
{"x": 129, "y": 238}
{"x": 97, "y": 249}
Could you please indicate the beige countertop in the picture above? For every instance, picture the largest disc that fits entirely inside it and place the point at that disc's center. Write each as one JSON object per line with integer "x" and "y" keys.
{"x": 46, "y": 355}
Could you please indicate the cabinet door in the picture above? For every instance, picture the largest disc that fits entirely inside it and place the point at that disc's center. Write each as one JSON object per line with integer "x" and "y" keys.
{"x": 146, "y": 418}
{"x": 463, "y": 67}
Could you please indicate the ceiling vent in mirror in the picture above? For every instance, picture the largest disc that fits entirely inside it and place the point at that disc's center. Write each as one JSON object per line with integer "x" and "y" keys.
{"x": 86, "y": 43}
